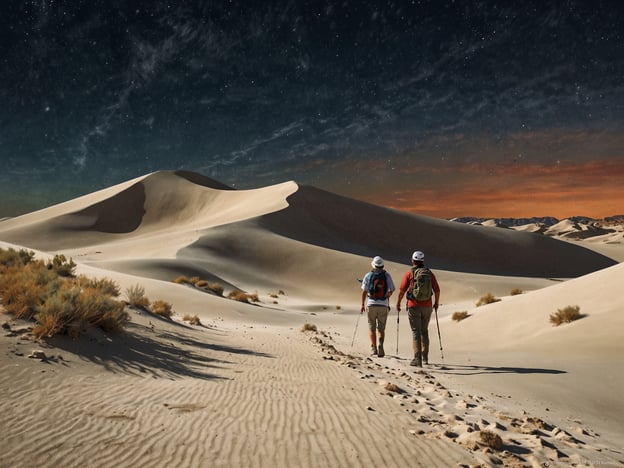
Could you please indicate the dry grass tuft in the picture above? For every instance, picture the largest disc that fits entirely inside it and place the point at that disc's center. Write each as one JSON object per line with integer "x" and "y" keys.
{"x": 566, "y": 315}
{"x": 459, "y": 316}
{"x": 162, "y": 308}
{"x": 487, "y": 299}
{"x": 491, "y": 439}
{"x": 308, "y": 327}
{"x": 516, "y": 291}
{"x": 136, "y": 296}
{"x": 192, "y": 319}
{"x": 238, "y": 295}
{"x": 242, "y": 296}
{"x": 181, "y": 280}
{"x": 215, "y": 288}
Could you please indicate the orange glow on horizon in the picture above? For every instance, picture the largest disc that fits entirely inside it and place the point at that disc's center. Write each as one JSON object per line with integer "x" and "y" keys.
{"x": 591, "y": 189}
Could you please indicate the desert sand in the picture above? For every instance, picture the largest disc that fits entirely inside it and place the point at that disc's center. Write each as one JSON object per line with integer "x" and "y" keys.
{"x": 248, "y": 387}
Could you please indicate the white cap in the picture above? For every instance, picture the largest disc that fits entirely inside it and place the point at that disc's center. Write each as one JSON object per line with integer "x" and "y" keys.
{"x": 418, "y": 256}
{"x": 377, "y": 262}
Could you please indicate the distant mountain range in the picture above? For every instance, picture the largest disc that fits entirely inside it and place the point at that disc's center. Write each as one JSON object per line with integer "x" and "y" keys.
{"x": 574, "y": 227}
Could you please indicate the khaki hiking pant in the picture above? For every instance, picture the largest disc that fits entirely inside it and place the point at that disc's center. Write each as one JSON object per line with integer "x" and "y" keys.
{"x": 419, "y": 318}
{"x": 377, "y": 317}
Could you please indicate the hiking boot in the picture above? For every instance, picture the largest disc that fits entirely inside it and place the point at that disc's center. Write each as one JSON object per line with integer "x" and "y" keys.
{"x": 373, "y": 350}
{"x": 380, "y": 351}
{"x": 416, "y": 362}
{"x": 425, "y": 359}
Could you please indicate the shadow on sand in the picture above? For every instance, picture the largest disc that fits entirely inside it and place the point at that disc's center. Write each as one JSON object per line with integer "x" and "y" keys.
{"x": 152, "y": 352}
{"x": 461, "y": 369}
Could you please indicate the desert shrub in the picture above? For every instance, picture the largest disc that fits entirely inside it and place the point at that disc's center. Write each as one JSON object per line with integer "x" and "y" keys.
{"x": 308, "y": 327}
{"x": 215, "y": 288}
{"x": 566, "y": 315}
{"x": 73, "y": 309}
{"x": 136, "y": 296}
{"x": 24, "y": 288}
{"x": 515, "y": 291}
{"x": 459, "y": 316}
{"x": 62, "y": 266}
{"x": 491, "y": 439}
{"x": 201, "y": 283}
{"x": 194, "y": 280}
{"x": 253, "y": 297}
{"x": 192, "y": 319}
{"x": 47, "y": 326}
{"x": 105, "y": 285}
{"x": 238, "y": 295}
{"x": 181, "y": 280}
{"x": 162, "y": 308}
{"x": 59, "y": 303}
{"x": 10, "y": 257}
{"x": 274, "y": 296}
{"x": 487, "y": 299}
{"x": 281, "y": 292}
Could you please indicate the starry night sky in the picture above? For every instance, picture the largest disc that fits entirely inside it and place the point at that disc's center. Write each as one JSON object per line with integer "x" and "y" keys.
{"x": 440, "y": 108}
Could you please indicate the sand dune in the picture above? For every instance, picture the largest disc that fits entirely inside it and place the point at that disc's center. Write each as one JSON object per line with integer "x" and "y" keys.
{"x": 248, "y": 388}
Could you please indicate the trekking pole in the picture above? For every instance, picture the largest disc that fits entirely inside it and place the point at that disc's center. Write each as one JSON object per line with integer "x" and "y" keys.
{"x": 356, "y": 326}
{"x": 397, "y": 349}
{"x": 439, "y": 337}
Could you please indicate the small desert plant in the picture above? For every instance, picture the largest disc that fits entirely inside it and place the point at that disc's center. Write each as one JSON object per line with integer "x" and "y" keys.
{"x": 459, "y": 316}
{"x": 516, "y": 291}
{"x": 253, "y": 297}
{"x": 194, "y": 280}
{"x": 192, "y": 319}
{"x": 487, "y": 299}
{"x": 201, "y": 283}
{"x": 181, "y": 280}
{"x": 566, "y": 315}
{"x": 281, "y": 292}
{"x": 136, "y": 296}
{"x": 308, "y": 327}
{"x": 238, "y": 295}
{"x": 62, "y": 266}
{"x": 491, "y": 439}
{"x": 215, "y": 288}
{"x": 162, "y": 308}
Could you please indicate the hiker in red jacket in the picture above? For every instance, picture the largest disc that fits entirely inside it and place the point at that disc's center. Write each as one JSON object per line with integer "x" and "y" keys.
{"x": 420, "y": 284}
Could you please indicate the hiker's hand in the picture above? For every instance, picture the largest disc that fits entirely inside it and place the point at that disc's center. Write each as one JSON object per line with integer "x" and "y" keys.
{"x": 435, "y": 306}
{"x": 398, "y": 307}
{"x": 362, "y": 308}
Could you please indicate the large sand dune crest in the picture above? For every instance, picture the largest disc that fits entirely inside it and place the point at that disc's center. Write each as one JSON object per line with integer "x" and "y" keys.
{"x": 329, "y": 220}
{"x": 172, "y": 204}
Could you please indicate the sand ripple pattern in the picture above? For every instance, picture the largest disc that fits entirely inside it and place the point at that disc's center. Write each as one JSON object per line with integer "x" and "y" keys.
{"x": 280, "y": 405}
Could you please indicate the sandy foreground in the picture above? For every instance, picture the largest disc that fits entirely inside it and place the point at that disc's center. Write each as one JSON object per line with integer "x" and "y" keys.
{"x": 248, "y": 387}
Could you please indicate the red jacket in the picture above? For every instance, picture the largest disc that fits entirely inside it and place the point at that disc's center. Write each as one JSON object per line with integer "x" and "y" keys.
{"x": 405, "y": 285}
